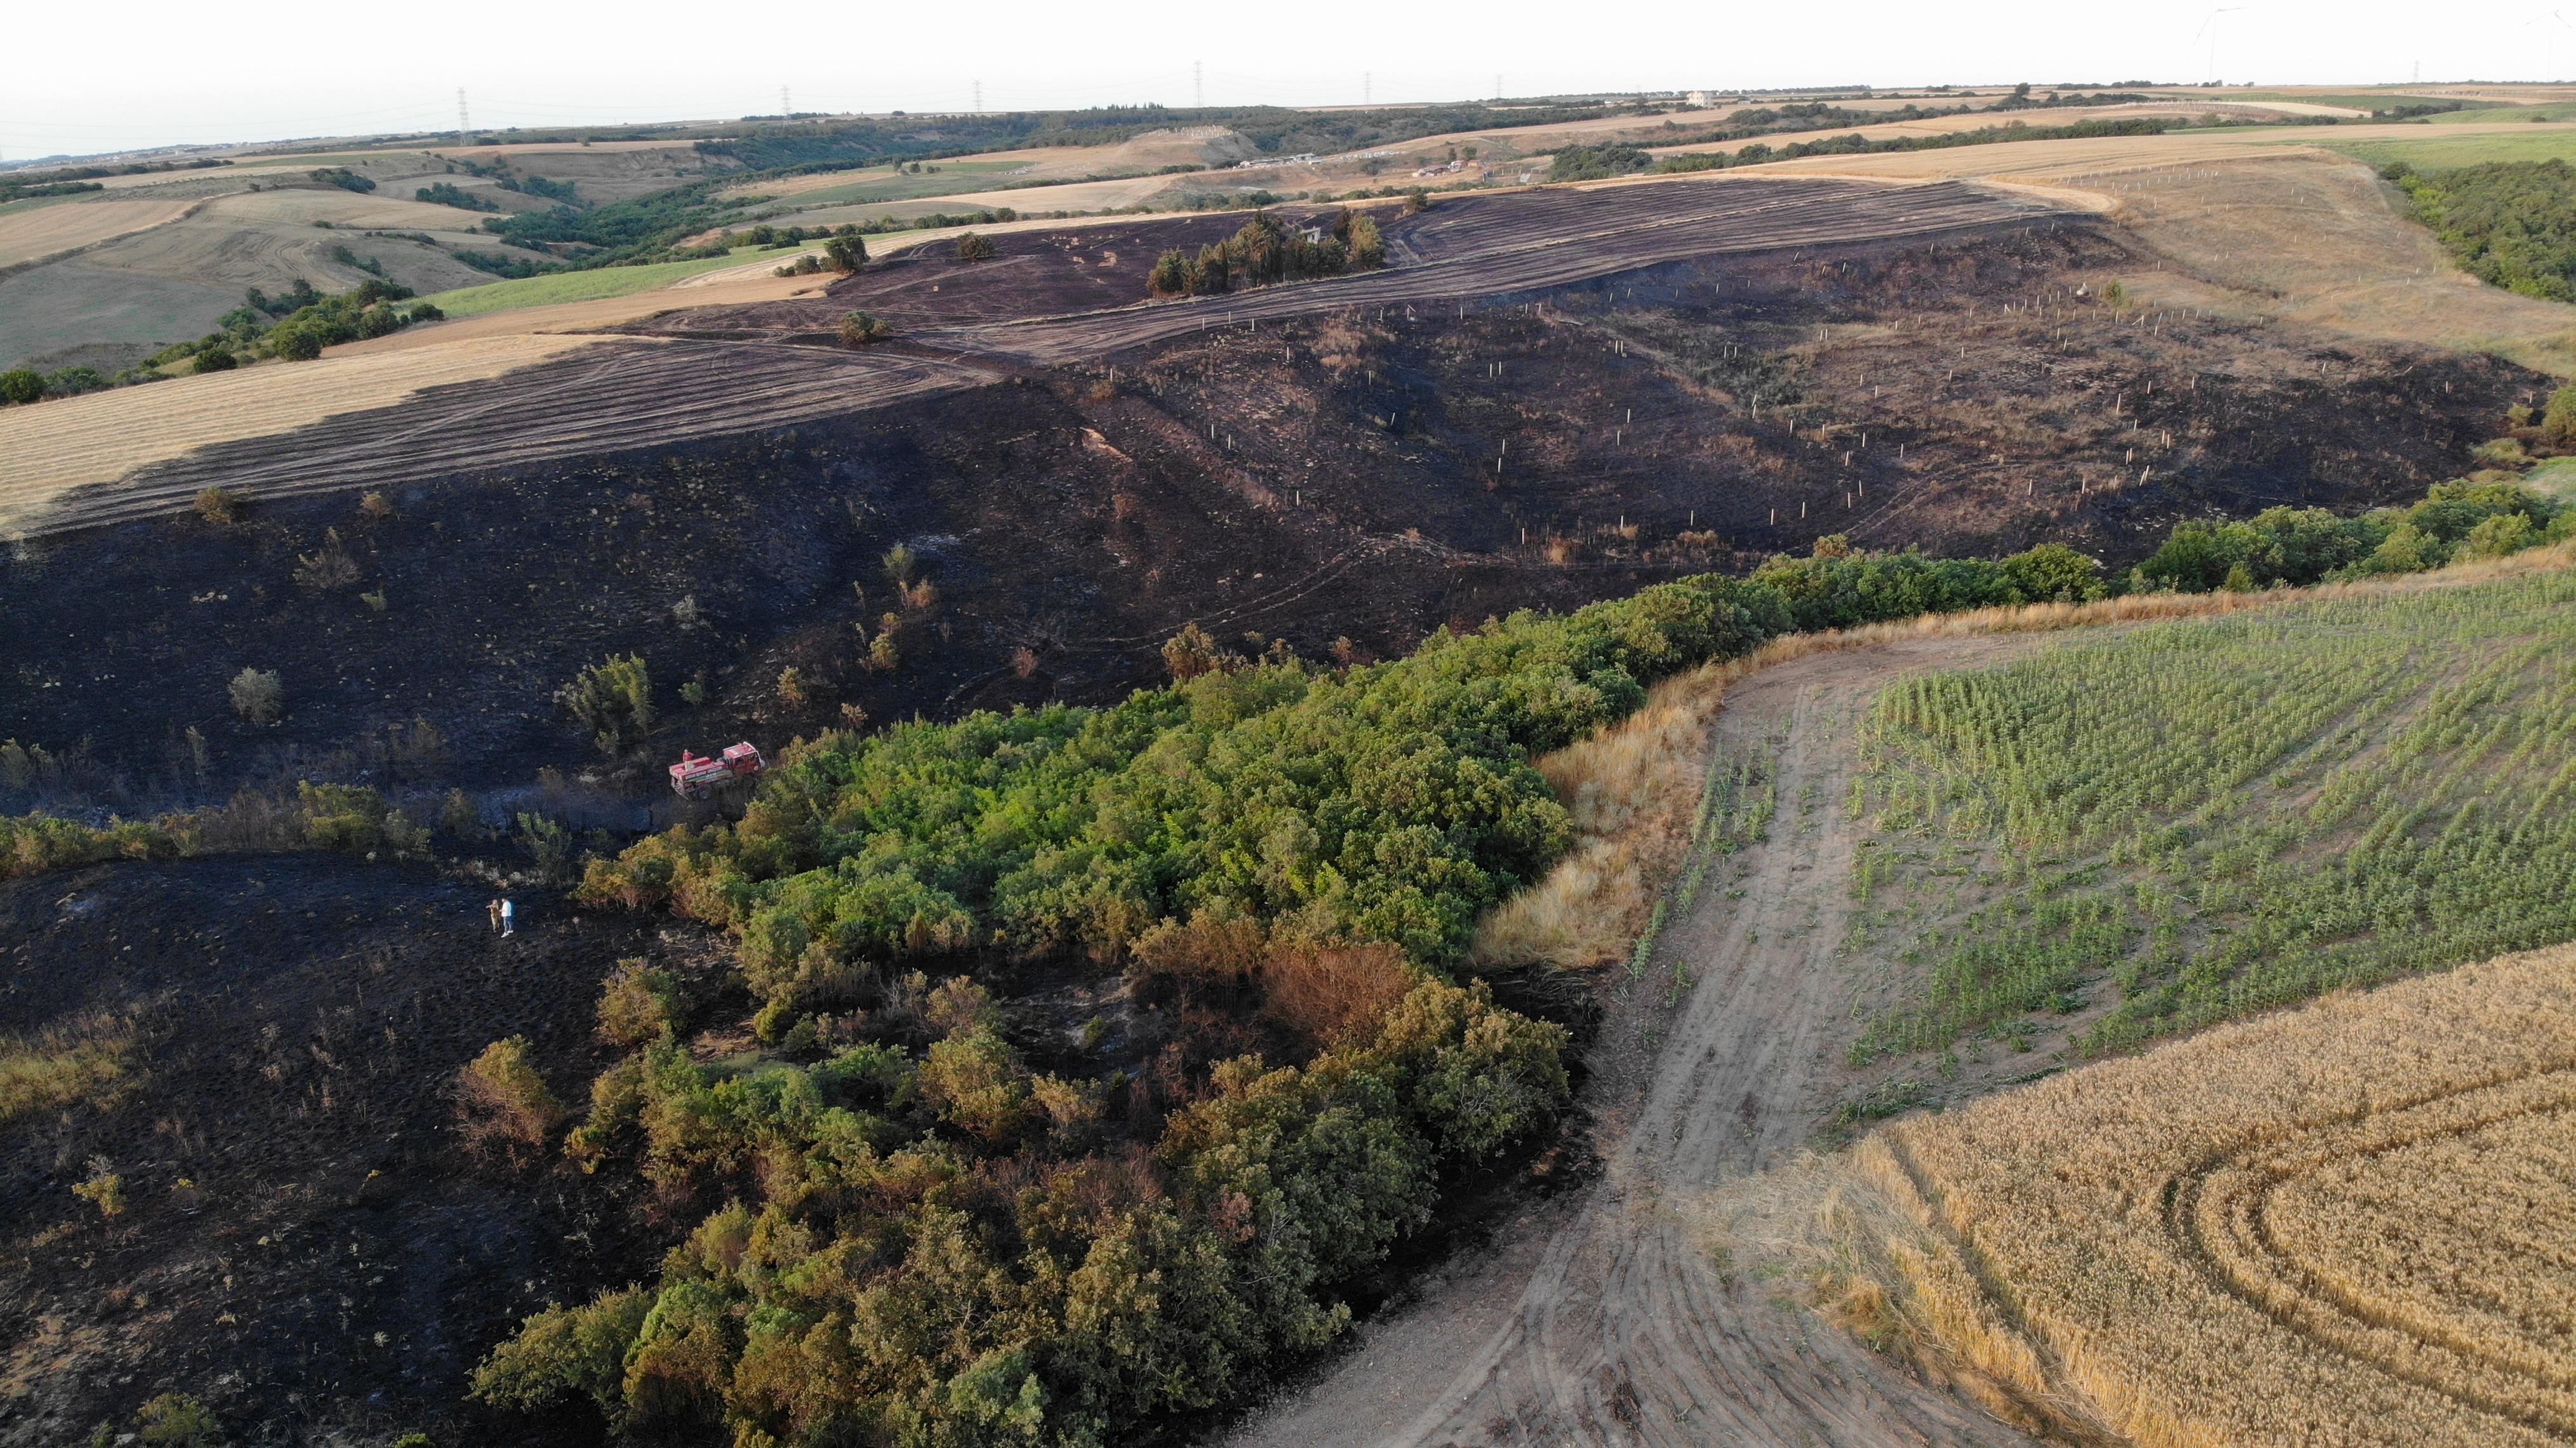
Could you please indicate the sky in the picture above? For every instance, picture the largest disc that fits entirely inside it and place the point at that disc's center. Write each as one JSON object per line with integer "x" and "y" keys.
{"x": 166, "y": 72}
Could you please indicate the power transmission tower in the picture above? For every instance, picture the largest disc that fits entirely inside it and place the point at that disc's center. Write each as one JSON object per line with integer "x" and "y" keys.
{"x": 1368, "y": 88}
{"x": 1198, "y": 87}
{"x": 784, "y": 109}
{"x": 979, "y": 97}
{"x": 463, "y": 125}
{"x": 1498, "y": 85}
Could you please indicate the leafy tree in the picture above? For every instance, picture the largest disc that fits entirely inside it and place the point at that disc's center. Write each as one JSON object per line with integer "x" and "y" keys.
{"x": 257, "y": 695}
{"x": 1592, "y": 163}
{"x": 22, "y": 384}
{"x": 1367, "y": 246}
{"x": 848, "y": 251}
{"x": 858, "y": 329}
{"x": 448, "y": 193}
{"x": 614, "y": 700}
{"x": 344, "y": 178}
{"x": 971, "y": 247}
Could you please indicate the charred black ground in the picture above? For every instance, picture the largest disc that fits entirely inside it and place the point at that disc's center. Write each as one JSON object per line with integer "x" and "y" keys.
{"x": 1347, "y": 483}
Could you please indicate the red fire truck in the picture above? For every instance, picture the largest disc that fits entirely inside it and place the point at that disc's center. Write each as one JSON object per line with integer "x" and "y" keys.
{"x": 697, "y": 776}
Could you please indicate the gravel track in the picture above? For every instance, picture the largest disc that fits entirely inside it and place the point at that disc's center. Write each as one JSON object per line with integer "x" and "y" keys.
{"x": 1607, "y": 1319}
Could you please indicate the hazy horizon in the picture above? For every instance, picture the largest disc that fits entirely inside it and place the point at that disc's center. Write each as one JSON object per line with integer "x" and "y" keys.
{"x": 183, "y": 75}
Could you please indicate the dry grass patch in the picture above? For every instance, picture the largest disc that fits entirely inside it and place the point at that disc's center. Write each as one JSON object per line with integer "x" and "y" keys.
{"x": 67, "y": 1065}
{"x": 2346, "y": 1224}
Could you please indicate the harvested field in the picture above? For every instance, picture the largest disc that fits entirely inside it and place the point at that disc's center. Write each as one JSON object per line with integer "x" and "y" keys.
{"x": 66, "y": 305}
{"x": 1071, "y": 196}
{"x": 47, "y": 231}
{"x": 302, "y": 206}
{"x": 2346, "y": 1224}
{"x": 612, "y": 396}
{"x": 2293, "y": 232}
{"x": 103, "y": 436}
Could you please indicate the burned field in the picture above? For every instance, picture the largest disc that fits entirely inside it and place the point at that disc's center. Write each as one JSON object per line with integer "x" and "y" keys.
{"x": 989, "y": 511}
{"x": 1364, "y": 475}
{"x": 299, "y": 1228}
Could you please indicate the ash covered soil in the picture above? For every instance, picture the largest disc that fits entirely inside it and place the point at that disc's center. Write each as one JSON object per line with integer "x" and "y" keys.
{"x": 1347, "y": 482}
{"x": 305, "y": 1243}
{"x": 1368, "y": 476}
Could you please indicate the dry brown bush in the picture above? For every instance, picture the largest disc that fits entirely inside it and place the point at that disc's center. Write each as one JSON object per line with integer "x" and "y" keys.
{"x": 1320, "y": 992}
{"x": 504, "y": 1108}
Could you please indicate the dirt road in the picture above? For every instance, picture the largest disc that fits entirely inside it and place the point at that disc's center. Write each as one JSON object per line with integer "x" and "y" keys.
{"x": 1613, "y": 1320}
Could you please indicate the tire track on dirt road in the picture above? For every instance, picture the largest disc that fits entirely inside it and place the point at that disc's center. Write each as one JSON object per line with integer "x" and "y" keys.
{"x": 1609, "y": 1319}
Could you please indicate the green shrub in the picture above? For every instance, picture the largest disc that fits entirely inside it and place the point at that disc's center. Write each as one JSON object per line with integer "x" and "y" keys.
{"x": 214, "y": 359}
{"x": 22, "y": 384}
{"x": 614, "y": 700}
{"x": 174, "y": 1420}
{"x": 221, "y": 505}
{"x": 257, "y": 695}
{"x": 1591, "y": 163}
{"x": 2310, "y": 545}
{"x": 640, "y": 1005}
{"x": 504, "y": 1108}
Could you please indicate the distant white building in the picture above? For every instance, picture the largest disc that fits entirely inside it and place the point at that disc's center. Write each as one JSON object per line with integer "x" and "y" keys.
{"x": 1702, "y": 100}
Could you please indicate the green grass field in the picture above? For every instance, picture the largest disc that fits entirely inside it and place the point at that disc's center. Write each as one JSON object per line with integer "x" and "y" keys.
{"x": 584, "y": 286}
{"x": 2196, "y": 820}
{"x": 2438, "y": 151}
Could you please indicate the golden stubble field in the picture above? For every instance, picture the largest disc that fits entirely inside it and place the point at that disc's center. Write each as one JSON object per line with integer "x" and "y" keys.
{"x": 2350, "y": 1224}
{"x": 46, "y": 231}
{"x": 2250, "y": 225}
{"x": 105, "y": 435}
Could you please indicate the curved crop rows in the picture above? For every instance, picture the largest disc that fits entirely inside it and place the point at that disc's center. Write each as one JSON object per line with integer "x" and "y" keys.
{"x": 2345, "y": 1224}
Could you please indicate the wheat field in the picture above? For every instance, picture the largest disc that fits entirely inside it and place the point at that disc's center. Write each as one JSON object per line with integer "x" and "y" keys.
{"x": 2350, "y": 1224}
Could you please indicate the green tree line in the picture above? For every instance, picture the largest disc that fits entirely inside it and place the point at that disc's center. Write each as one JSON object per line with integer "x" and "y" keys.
{"x": 918, "y": 1237}
{"x": 1263, "y": 252}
